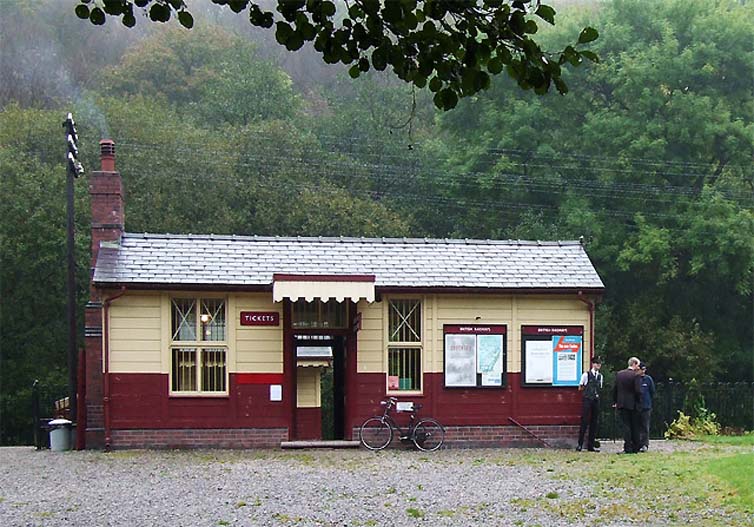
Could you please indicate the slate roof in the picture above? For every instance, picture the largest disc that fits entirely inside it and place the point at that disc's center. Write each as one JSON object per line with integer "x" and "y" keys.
{"x": 242, "y": 261}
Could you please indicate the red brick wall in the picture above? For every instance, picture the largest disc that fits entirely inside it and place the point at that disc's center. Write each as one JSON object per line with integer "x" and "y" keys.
{"x": 200, "y": 438}
{"x": 486, "y": 411}
{"x": 505, "y": 436}
{"x": 106, "y": 194}
{"x": 108, "y": 214}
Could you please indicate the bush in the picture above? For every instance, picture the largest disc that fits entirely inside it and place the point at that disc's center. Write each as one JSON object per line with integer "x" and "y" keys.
{"x": 686, "y": 427}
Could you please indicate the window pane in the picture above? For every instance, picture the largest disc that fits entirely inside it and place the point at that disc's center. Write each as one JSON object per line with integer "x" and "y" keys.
{"x": 184, "y": 369}
{"x": 213, "y": 370}
{"x": 405, "y": 365}
{"x": 319, "y": 315}
{"x": 404, "y": 321}
{"x": 184, "y": 319}
{"x": 212, "y": 320}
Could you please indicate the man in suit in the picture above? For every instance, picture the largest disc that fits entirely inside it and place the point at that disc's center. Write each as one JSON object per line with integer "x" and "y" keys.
{"x": 626, "y": 394}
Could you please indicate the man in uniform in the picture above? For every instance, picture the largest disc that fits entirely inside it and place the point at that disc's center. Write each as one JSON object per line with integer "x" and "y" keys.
{"x": 590, "y": 385}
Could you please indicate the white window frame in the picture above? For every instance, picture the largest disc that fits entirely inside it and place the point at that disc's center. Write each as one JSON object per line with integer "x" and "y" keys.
{"x": 199, "y": 346}
{"x": 391, "y": 344}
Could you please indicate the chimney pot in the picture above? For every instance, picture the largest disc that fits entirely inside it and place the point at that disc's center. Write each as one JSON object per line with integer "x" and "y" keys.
{"x": 107, "y": 155}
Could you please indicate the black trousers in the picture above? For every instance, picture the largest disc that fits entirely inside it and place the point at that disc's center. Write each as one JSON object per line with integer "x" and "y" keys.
{"x": 631, "y": 425}
{"x": 644, "y": 418}
{"x": 590, "y": 417}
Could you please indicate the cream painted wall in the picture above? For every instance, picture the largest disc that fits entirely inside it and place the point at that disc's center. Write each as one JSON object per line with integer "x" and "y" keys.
{"x": 482, "y": 310}
{"x": 259, "y": 349}
{"x": 135, "y": 337}
{"x": 140, "y": 326}
{"x": 308, "y": 387}
{"x": 371, "y": 338}
{"x": 543, "y": 311}
{"x": 438, "y": 310}
{"x": 140, "y": 329}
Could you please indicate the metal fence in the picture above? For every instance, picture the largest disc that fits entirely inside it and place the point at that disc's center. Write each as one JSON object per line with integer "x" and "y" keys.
{"x": 46, "y": 404}
{"x": 732, "y": 403}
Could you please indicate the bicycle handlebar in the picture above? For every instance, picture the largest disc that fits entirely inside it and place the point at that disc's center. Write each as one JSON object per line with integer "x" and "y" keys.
{"x": 391, "y": 401}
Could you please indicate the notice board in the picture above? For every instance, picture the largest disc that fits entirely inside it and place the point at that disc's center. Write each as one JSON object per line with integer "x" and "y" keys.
{"x": 552, "y": 355}
{"x": 474, "y": 356}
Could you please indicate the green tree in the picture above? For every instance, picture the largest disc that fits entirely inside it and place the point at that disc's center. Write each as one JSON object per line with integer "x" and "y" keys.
{"x": 208, "y": 73}
{"x": 33, "y": 325}
{"x": 180, "y": 177}
{"x": 650, "y": 160}
{"x": 452, "y": 47}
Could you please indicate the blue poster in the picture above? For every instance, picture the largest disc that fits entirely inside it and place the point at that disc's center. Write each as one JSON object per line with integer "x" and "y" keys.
{"x": 566, "y": 357}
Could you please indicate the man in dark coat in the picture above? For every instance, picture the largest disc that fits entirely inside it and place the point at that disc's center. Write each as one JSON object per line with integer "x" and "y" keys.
{"x": 626, "y": 397}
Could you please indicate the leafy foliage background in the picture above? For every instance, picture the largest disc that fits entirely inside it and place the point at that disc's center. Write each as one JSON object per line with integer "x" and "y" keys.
{"x": 218, "y": 130}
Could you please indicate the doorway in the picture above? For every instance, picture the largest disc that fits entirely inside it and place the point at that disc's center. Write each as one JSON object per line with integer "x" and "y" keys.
{"x": 326, "y": 354}
{"x": 332, "y": 388}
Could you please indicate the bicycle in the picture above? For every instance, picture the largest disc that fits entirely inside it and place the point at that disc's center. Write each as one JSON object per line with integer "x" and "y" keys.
{"x": 376, "y": 432}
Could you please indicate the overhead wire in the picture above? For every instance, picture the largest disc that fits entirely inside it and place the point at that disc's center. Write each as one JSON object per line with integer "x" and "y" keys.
{"x": 393, "y": 180}
{"x": 508, "y": 209}
{"x": 385, "y": 172}
{"x": 416, "y": 147}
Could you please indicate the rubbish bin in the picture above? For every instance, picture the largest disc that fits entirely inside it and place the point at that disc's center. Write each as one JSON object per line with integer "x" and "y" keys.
{"x": 60, "y": 435}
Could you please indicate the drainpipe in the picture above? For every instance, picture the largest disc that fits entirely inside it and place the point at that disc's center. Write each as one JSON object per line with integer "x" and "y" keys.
{"x": 590, "y": 304}
{"x": 106, "y": 338}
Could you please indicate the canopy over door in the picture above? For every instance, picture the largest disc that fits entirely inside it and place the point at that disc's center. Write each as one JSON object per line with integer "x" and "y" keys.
{"x": 310, "y": 287}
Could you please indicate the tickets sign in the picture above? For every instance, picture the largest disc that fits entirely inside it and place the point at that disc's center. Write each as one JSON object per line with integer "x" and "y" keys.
{"x": 260, "y": 318}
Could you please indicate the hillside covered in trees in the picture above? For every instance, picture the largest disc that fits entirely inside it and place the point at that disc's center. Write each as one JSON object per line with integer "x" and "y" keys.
{"x": 649, "y": 157}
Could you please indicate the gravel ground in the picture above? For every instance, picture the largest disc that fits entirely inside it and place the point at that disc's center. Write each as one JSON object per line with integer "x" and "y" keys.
{"x": 307, "y": 488}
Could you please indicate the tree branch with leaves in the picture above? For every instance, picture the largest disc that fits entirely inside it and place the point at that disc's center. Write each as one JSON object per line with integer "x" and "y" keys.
{"x": 451, "y": 46}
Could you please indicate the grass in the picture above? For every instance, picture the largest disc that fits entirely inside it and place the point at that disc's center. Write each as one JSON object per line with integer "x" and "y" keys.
{"x": 743, "y": 440}
{"x": 684, "y": 486}
{"x": 737, "y": 472}
{"x": 708, "y": 483}
{"x": 414, "y": 513}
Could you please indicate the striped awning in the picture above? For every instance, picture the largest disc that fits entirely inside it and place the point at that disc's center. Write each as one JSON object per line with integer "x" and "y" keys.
{"x": 323, "y": 287}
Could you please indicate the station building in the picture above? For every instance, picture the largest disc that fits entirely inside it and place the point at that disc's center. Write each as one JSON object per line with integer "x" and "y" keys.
{"x": 236, "y": 341}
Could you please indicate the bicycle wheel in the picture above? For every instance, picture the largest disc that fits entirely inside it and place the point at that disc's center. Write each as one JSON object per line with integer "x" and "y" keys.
{"x": 429, "y": 435}
{"x": 375, "y": 434}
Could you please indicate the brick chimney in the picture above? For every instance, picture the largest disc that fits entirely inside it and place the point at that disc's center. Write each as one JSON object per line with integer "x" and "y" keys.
{"x": 106, "y": 192}
{"x": 108, "y": 218}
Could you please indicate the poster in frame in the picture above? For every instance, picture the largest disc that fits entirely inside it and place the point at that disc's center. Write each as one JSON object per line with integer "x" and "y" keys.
{"x": 551, "y": 355}
{"x": 474, "y": 356}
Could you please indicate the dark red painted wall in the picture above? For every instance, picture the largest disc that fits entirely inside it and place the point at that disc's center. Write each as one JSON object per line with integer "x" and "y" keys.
{"x": 141, "y": 400}
{"x": 308, "y": 423}
{"x": 488, "y": 406}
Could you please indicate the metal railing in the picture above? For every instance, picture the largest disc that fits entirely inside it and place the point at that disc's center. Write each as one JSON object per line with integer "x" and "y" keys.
{"x": 732, "y": 404}
{"x": 46, "y": 404}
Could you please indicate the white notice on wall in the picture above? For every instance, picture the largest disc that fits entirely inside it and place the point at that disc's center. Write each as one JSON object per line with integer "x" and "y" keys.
{"x": 460, "y": 360}
{"x": 567, "y": 366}
{"x": 276, "y": 392}
{"x": 490, "y": 359}
{"x": 539, "y": 361}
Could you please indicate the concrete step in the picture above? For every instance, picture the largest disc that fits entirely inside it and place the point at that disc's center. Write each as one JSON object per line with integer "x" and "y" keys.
{"x": 320, "y": 444}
